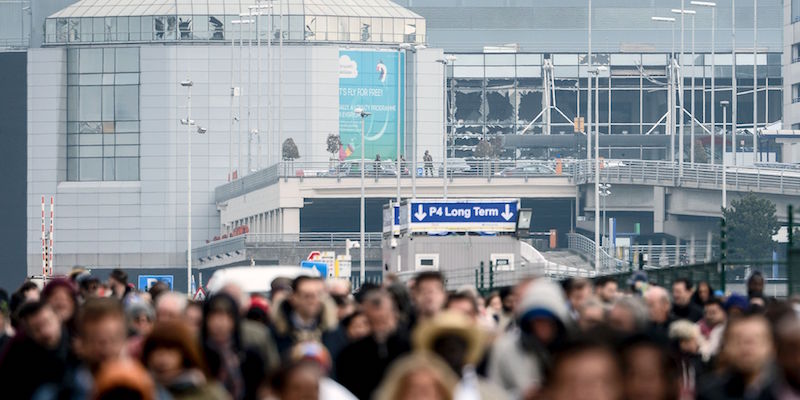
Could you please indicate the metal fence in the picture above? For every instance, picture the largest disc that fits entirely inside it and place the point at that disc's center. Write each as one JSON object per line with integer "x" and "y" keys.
{"x": 586, "y": 247}
{"x": 372, "y": 239}
{"x": 764, "y": 178}
{"x": 775, "y": 179}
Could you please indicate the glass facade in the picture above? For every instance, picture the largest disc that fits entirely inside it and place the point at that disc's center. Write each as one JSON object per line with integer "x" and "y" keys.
{"x": 348, "y": 21}
{"x": 504, "y": 94}
{"x": 103, "y": 114}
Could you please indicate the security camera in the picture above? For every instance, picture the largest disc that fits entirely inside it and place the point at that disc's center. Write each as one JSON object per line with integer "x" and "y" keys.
{"x": 201, "y": 130}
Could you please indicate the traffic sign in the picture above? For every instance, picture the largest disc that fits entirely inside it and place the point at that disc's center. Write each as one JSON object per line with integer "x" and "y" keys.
{"x": 199, "y": 295}
{"x": 496, "y": 215}
{"x": 147, "y": 281}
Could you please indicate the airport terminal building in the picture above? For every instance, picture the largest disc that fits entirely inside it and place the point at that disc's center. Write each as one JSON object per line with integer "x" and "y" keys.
{"x": 105, "y": 95}
{"x": 105, "y": 100}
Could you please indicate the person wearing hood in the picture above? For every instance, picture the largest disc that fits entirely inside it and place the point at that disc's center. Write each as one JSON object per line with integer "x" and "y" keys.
{"x": 172, "y": 356}
{"x": 520, "y": 357}
{"x": 306, "y": 315}
{"x": 461, "y": 344}
{"x": 361, "y": 365}
{"x": 238, "y": 367}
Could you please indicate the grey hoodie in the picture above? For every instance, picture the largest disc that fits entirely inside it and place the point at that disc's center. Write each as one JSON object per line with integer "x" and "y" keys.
{"x": 518, "y": 360}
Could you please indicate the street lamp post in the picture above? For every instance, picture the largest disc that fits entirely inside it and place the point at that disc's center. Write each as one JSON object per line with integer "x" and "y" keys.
{"x": 724, "y": 105}
{"x": 605, "y": 191}
{"x": 401, "y": 48}
{"x": 755, "y": 81}
{"x": 448, "y": 59}
{"x": 589, "y": 92}
{"x": 681, "y": 146}
{"x": 713, "y": 7}
{"x": 363, "y": 114}
{"x": 240, "y": 22}
{"x": 596, "y": 73}
{"x": 188, "y": 122}
{"x": 682, "y": 11}
{"x": 734, "y": 91}
{"x": 257, "y": 14}
{"x": 413, "y": 169}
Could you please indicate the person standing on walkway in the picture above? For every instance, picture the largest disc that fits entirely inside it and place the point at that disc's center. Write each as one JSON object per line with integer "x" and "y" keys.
{"x": 428, "y": 160}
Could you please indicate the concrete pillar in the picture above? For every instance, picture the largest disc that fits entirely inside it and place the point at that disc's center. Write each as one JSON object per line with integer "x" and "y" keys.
{"x": 659, "y": 209}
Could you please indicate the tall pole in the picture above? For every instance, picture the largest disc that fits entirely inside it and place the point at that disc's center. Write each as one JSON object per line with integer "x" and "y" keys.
{"x": 188, "y": 85}
{"x": 239, "y": 124}
{"x": 397, "y": 156}
{"x": 444, "y": 128}
{"x": 681, "y": 144}
{"x": 713, "y": 82}
{"x": 755, "y": 81}
{"x": 735, "y": 91}
{"x": 362, "y": 273}
{"x": 280, "y": 75}
{"x": 596, "y": 176}
{"x": 258, "y": 88}
{"x": 230, "y": 120}
{"x": 724, "y": 164}
{"x": 414, "y": 133}
{"x": 249, "y": 84}
{"x": 589, "y": 92}
{"x": 692, "y": 120}
{"x": 363, "y": 114}
{"x": 672, "y": 105}
{"x": 270, "y": 137}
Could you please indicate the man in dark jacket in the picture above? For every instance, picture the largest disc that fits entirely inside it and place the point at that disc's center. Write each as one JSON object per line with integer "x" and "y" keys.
{"x": 37, "y": 355}
{"x": 748, "y": 350}
{"x": 306, "y": 315}
{"x": 361, "y": 365}
{"x": 683, "y": 307}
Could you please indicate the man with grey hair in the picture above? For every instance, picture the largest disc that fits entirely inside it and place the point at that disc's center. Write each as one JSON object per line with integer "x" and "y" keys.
{"x": 659, "y": 307}
{"x": 628, "y": 315}
{"x": 170, "y": 306}
{"x": 591, "y": 314}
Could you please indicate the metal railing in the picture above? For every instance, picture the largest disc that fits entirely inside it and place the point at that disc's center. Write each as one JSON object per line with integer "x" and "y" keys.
{"x": 234, "y": 246}
{"x": 487, "y": 277}
{"x": 765, "y": 178}
{"x": 388, "y": 168}
{"x": 703, "y": 176}
{"x": 661, "y": 255}
{"x": 257, "y": 180}
{"x": 372, "y": 239}
{"x": 586, "y": 247}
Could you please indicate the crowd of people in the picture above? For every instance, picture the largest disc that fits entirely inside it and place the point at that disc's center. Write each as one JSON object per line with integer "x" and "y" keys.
{"x": 83, "y": 338}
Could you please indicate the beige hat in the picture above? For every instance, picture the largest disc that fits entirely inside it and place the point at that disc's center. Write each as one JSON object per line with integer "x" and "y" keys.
{"x": 451, "y": 323}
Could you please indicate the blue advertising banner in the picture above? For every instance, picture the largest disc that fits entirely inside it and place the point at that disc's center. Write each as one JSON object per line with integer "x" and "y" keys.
{"x": 374, "y": 81}
{"x": 463, "y": 215}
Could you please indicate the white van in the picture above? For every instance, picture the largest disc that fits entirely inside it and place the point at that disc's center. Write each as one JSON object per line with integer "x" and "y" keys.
{"x": 255, "y": 279}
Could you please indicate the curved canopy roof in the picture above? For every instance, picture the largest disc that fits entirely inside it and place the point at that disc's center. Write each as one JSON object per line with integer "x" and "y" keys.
{"x": 346, "y": 21}
{"x": 127, "y": 8}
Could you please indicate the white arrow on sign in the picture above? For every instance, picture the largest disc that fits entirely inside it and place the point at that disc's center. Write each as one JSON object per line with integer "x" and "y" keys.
{"x": 507, "y": 215}
{"x": 420, "y": 214}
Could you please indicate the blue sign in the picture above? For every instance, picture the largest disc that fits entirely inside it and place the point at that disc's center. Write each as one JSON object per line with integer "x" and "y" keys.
{"x": 320, "y": 266}
{"x": 373, "y": 81}
{"x": 147, "y": 281}
{"x": 463, "y": 215}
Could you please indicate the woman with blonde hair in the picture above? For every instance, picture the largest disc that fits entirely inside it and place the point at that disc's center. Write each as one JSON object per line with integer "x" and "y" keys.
{"x": 419, "y": 376}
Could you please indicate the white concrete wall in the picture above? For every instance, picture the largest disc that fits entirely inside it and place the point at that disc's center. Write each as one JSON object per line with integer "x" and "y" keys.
{"x": 429, "y": 104}
{"x": 143, "y": 223}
